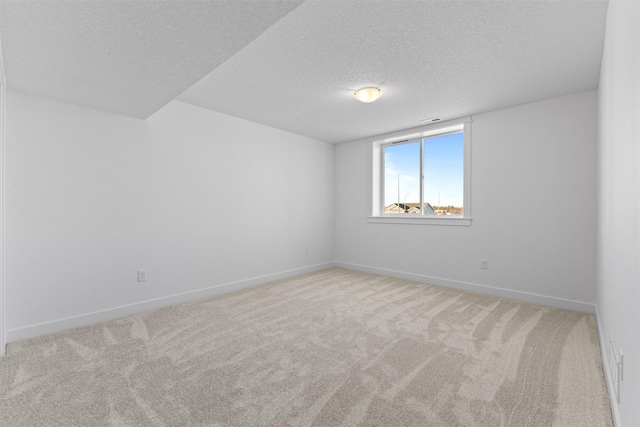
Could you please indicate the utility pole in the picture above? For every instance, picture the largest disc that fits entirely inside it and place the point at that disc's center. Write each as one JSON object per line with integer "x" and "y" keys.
{"x": 398, "y": 192}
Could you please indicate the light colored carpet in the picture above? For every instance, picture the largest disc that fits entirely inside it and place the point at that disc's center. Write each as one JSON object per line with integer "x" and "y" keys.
{"x": 331, "y": 348}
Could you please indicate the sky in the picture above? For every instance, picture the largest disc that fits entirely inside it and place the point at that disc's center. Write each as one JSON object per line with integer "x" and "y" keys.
{"x": 443, "y": 171}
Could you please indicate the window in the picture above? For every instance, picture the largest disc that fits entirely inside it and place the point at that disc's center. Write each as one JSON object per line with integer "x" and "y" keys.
{"x": 424, "y": 177}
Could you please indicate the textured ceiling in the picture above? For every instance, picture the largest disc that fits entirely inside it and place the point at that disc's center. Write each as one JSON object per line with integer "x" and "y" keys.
{"x": 430, "y": 58}
{"x": 295, "y": 67}
{"x": 129, "y": 57}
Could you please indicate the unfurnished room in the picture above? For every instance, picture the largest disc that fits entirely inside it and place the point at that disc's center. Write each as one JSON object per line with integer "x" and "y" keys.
{"x": 320, "y": 213}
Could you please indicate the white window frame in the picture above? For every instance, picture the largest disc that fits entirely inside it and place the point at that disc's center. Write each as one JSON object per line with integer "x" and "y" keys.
{"x": 377, "y": 145}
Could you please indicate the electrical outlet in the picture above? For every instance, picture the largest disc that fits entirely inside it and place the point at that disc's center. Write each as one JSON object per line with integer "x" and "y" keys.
{"x": 142, "y": 275}
{"x": 306, "y": 251}
{"x": 484, "y": 264}
{"x": 616, "y": 359}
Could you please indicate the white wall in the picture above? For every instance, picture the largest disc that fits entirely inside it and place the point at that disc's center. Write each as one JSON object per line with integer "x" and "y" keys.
{"x": 618, "y": 283}
{"x": 2, "y": 135}
{"x": 533, "y": 205}
{"x": 198, "y": 198}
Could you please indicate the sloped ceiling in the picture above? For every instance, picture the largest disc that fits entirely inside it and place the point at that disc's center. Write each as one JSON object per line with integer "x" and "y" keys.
{"x": 129, "y": 57}
{"x": 295, "y": 66}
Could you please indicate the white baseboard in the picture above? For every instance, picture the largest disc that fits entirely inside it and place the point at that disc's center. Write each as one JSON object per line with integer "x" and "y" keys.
{"x": 615, "y": 412}
{"x": 31, "y": 331}
{"x": 113, "y": 313}
{"x": 474, "y": 287}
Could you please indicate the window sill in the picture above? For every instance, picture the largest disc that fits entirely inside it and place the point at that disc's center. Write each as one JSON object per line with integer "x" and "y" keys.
{"x": 419, "y": 220}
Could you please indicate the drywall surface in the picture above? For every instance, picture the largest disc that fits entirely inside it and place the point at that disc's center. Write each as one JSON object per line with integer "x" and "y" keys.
{"x": 533, "y": 185}
{"x": 197, "y": 198}
{"x": 618, "y": 282}
{"x": 3, "y": 93}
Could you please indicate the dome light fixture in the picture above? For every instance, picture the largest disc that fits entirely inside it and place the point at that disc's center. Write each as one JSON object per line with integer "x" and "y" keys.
{"x": 367, "y": 94}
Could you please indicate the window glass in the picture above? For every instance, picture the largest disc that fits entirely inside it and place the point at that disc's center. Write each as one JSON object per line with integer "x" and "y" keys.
{"x": 422, "y": 175}
{"x": 441, "y": 180}
{"x": 402, "y": 178}
{"x": 443, "y": 165}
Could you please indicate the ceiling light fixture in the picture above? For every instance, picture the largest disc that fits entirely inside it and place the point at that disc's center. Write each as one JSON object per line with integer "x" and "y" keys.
{"x": 367, "y": 94}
